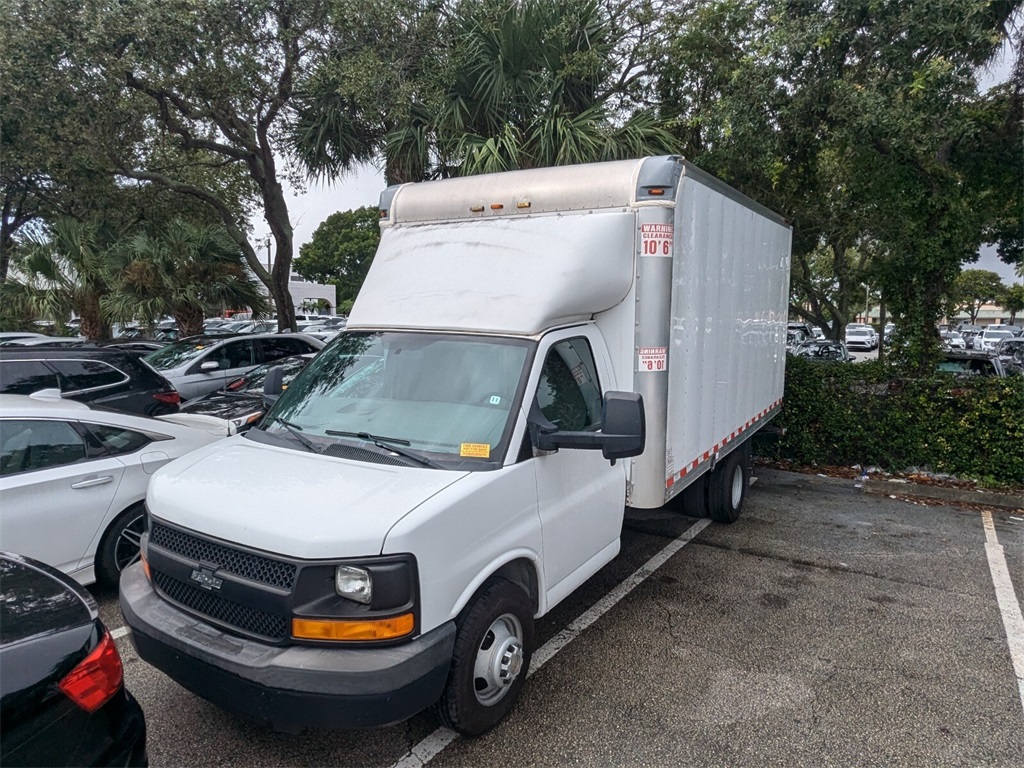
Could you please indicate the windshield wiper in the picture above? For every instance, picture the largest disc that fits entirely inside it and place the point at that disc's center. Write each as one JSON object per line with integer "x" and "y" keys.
{"x": 295, "y": 430}
{"x": 388, "y": 444}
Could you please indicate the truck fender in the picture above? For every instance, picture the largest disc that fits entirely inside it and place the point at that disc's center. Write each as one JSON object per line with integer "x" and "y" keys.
{"x": 519, "y": 566}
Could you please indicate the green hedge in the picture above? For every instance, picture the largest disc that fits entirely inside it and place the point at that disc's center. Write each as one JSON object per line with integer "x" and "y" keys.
{"x": 837, "y": 414}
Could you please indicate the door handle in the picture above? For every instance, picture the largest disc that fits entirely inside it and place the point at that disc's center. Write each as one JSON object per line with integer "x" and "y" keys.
{"x": 89, "y": 482}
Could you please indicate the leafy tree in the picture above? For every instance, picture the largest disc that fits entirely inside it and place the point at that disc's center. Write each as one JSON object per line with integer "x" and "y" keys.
{"x": 63, "y": 122}
{"x": 1013, "y": 301}
{"x": 496, "y": 85}
{"x": 66, "y": 274}
{"x": 341, "y": 251}
{"x": 180, "y": 271}
{"x": 196, "y": 96}
{"x": 862, "y": 122}
{"x": 973, "y": 288}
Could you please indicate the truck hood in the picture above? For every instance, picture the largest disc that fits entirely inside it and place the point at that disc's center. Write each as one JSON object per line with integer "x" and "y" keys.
{"x": 289, "y": 502}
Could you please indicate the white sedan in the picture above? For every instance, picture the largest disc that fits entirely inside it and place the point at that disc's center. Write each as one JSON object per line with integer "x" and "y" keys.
{"x": 73, "y": 479}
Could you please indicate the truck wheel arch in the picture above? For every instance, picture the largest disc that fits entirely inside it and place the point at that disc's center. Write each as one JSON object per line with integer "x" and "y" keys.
{"x": 519, "y": 568}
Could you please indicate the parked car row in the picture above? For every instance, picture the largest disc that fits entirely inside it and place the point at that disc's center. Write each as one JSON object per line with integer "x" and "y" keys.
{"x": 73, "y": 479}
{"x": 199, "y": 365}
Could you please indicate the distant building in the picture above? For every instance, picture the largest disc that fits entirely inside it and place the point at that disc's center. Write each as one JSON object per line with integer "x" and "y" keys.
{"x": 990, "y": 314}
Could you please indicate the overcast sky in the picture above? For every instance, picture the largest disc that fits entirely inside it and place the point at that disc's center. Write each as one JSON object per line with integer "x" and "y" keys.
{"x": 363, "y": 187}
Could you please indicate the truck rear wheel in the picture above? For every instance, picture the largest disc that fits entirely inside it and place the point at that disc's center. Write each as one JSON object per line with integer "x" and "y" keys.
{"x": 692, "y": 501}
{"x": 727, "y": 486}
{"x": 492, "y": 654}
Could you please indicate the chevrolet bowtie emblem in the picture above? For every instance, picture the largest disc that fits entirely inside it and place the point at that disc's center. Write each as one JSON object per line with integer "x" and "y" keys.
{"x": 205, "y": 578}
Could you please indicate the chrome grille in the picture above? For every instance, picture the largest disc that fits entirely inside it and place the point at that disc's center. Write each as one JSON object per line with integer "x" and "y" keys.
{"x": 264, "y": 570}
{"x": 250, "y": 620}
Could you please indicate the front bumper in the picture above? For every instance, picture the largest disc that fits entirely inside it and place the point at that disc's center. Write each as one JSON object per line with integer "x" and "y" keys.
{"x": 294, "y": 687}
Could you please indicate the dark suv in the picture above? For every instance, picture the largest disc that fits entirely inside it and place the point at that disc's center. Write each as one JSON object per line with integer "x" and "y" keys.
{"x": 108, "y": 377}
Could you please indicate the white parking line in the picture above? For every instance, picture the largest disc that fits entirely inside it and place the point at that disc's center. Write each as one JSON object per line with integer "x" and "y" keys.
{"x": 428, "y": 748}
{"x": 119, "y": 632}
{"x": 1009, "y": 607}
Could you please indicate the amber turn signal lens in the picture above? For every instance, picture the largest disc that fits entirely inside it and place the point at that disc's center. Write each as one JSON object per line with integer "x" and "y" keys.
{"x": 145, "y": 566}
{"x": 347, "y": 629}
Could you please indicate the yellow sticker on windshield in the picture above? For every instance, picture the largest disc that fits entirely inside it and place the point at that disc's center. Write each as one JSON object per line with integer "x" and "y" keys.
{"x": 475, "y": 450}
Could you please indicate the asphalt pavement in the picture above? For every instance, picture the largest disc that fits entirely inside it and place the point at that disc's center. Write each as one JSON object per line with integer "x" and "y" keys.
{"x": 825, "y": 627}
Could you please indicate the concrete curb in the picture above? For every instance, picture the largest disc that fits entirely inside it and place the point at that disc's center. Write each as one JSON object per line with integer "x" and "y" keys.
{"x": 940, "y": 493}
{"x": 883, "y": 487}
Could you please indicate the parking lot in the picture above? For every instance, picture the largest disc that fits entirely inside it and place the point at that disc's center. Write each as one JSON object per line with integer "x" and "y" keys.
{"x": 826, "y": 627}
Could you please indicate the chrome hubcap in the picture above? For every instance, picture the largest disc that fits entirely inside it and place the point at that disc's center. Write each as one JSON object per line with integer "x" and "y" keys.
{"x": 499, "y": 660}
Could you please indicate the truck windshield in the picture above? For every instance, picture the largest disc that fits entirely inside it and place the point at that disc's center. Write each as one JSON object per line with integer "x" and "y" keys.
{"x": 445, "y": 397}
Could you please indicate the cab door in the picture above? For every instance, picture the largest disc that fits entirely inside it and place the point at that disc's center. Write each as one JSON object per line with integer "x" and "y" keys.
{"x": 580, "y": 495}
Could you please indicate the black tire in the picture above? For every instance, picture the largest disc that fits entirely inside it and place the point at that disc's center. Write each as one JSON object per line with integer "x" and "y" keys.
{"x": 727, "y": 486}
{"x": 692, "y": 501}
{"x": 494, "y": 641}
{"x": 119, "y": 547}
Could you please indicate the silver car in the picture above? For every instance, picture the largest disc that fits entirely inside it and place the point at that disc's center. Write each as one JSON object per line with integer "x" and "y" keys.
{"x": 202, "y": 364}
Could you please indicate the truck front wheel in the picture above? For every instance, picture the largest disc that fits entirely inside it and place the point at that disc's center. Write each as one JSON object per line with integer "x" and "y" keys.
{"x": 492, "y": 654}
{"x": 727, "y": 486}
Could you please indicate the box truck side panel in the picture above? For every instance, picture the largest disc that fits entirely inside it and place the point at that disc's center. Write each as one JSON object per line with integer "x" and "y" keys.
{"x": 726, "y": 358}
{"x": 519, "y": 275}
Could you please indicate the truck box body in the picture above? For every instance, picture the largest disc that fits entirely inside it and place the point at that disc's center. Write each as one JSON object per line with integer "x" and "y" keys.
{"x": 530, "y": 352}
{"x": 690, "y": 289}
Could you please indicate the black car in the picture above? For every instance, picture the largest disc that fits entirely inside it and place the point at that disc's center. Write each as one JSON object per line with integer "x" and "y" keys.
{"x": 969, "y": 364}
{"x": 61, "y": 680}
{"x": 101, "y": 376}
{"x": 241, "y": 401}
{"x": 824, "y": 351}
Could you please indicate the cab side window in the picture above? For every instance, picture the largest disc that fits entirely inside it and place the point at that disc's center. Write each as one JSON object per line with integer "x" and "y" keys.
{"x": 28, "y": 445}
{"x": 569, "y": 394}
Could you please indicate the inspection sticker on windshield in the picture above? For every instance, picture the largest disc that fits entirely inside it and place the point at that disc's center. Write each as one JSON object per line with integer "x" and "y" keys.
{"x": 652, "y": 358}
{"x": 475, "y": 450}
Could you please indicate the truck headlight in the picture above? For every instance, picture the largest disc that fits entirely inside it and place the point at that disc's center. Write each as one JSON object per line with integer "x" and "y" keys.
{"x": 354, "y": 583}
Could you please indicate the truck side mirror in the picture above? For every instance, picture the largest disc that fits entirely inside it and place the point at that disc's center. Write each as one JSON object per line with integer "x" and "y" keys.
{"x": 623, "y": 425}
{"x": 273, "y": 385}
{"x": 623, "y": 429}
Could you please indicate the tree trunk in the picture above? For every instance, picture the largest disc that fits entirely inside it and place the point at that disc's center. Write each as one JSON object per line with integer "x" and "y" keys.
{"x": 190, "y": 321}
{"x": 92, "y": 325}
{"x": 881, "y": 323}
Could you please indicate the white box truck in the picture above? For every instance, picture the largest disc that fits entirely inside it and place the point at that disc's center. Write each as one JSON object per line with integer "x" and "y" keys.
{"x": 531, "y": 351}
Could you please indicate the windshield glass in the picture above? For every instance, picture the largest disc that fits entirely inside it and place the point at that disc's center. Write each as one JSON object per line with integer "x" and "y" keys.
{"x": 178, "y": 353}
{"x": 448, "y": 397}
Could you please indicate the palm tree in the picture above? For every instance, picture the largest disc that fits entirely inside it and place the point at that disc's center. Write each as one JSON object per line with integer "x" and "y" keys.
{"x": 66, "y": 273}
{"x": 182, "y": 271}
{"x": 534, "y": 85}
